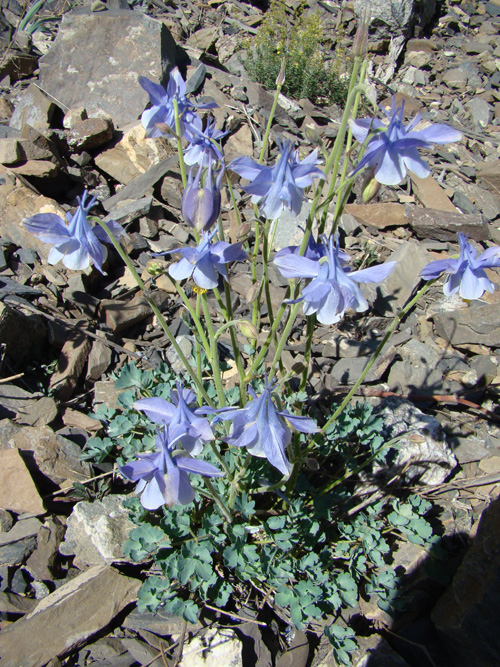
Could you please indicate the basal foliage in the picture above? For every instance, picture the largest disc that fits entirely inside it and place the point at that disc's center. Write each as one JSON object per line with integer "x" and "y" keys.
{"x": 308, "y": 557}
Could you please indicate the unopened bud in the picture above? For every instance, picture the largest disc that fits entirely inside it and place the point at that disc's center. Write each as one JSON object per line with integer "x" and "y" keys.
{"x": 280, "y": 79}
{"x": 370, "y": 187}
{"x": 156, "y": 267}
{"x": 200, "y": 205}
{"x": 252, "y": 293}
{"x": 361, "y": 37}
{"x": 248, "y": 329}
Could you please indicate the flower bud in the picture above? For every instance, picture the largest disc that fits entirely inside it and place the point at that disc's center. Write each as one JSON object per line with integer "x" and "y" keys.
{"x": 370, "y": 187}
{"x": 156, "y": 267}
{"x": 248, "y": 329}
{"x": 200, "y": 206}
{"x": 361, "y": 36}
{"x": 280, "y": 79}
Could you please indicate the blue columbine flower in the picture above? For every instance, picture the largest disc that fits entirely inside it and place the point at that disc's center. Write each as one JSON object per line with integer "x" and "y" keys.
{"x": 200, "y": 205}
{"x": 162, "y": 110}
{"x": 162, "y": 476}
{"x": 204, "y": 146}
{"x": 178, "y": 415}
{"x": 262, "y": 429}
{"x": 76, "y": 243}
{"x": 205, "y": 261}
{"x": 465, "y": 274}
{"x": 279, "y": 187}
{"x": 333, "y": 289}
{"x": 393, "y": 149}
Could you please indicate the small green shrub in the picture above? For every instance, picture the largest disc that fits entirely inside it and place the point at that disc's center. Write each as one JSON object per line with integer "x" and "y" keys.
{"x": 300, "y": 40}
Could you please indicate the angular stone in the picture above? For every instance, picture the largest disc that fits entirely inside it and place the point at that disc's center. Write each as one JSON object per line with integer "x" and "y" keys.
{"x": 56, "y": 457}
{"x": 98, "y": 49}
{"x": 392, "y": 293}
{"x": 455, "y": 78}
{"x": 34, "y": 108}
{"x": 42, "y": 560}
{"x": 133, "y": 155}
{"x": 14, "y": 400}
{"x": 489, "y": 173}
{"x": 444, "y": 225}
{"x": 431, "y": 194}
{"x": 120, "y": 315}
{"x": 89, "y": 134}
{"x": 378, "y": 215}
{"x": 70, "y": 365}
{"x": 479, "y": 324}
{"x": 467, "y": 614}
{"x": 17, "y": 489}
{"x": 10, "y": 603}
{"x": 67, "y": 618}
{"x": 96, "y": 531}
{"x": 36, "y": 169}
{"x": 22, "y": 529}
{"x": 10, "y": 151}
{"x": 390, "y": 20}
{"x": 17, "y": 65}
{"x": 142, "y": 184}
{"x": 99, "y": 360}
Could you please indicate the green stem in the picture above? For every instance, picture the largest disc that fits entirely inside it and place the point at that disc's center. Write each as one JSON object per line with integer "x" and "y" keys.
{"x": 284, "y": 337}
{"x": 218, "y": 500}
{"x": 269, "y": 124}
{"x": 157, "y": 312}
{"x": 234, "y": 342}
{"x": 179, "y": 142}
{"x": 307, "y": 353}
{"x": 194, "y": 316}
{"x": 197, "y": 345}
{"x": 214, "y": 353}
{"x": 397, "y": 319}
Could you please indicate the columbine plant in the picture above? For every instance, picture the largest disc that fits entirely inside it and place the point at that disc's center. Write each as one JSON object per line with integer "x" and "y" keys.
{"x": 254, "y": 514}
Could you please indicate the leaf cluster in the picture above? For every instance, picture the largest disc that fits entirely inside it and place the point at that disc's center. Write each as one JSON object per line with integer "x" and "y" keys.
{"x": 300, "y": 40}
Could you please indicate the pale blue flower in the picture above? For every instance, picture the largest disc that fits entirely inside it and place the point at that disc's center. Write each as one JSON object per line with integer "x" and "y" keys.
{"x": 204, "y": 146}
{"x": 200, "y": 205}
{"x": 333, "y": 288}
{"x": 262, "y": 429}
{"x": 76, "y": 243}
{"x": 178, "y": 415}
{"x": 282, "y": 186}
{"x": 205, "y": 261}
{"x": 466, "y": 274}
{"x": 393, "y": 149}
{"x": 163, "y": 476}
{"x": 162, "y": 110}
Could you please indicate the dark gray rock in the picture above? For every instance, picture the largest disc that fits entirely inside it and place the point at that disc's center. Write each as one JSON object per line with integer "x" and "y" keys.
{"x": 105, "y": 52}
{"x": 479, "y": 324}
{"x": 428, "y": 223}
{"x": 467, "y": 614}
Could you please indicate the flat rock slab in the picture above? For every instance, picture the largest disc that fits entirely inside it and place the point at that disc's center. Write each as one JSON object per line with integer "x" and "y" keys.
{"x": 479, "y": 324}
{"x": 17, "y": 489}
{"x": 66, "y": 618}
{"x": 96, "y": 59}
{"x": 443, "y": 225}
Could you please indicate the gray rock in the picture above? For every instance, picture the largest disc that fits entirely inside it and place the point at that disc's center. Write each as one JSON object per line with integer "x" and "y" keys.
{"x": 105, "y": 52}
{"x": 479, "y": 324}
{"x": 422, "y": 451}
{"x": 21, "y": 530}
{"x": 10, "y": 603}
{"x": 428, "y": 223}
{"x": 455, "y": 78}
{"x": 417, "y": 371}
{"x": 6, "y": 520}
{"x": 391, "y": 294}
{"x": 467, "y": 614}
{"x": 23, "y": 336}
{"x": 34, "y": 108}
{"x": 140, "y": 186}
{"x": 16, "y": 553}
{"x": 97, "y": 531}
{"x": 99, "y": 360}
{"x": 396, "y": 18}
{"x": 56, "y": 457}
{"x": 480, "y": 111}
{"x": 288, "y": 226}
{"x": 66, "y": 618}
